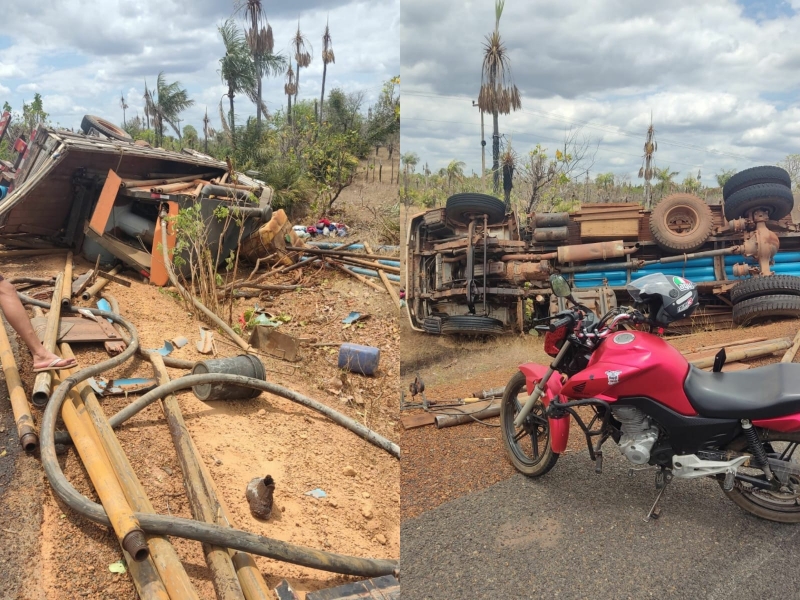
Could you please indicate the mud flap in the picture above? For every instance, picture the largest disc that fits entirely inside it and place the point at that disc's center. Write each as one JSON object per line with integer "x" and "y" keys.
{"x": 559, "y": 428}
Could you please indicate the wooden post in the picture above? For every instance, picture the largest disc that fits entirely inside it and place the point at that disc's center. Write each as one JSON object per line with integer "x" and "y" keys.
{"x": 790, "y": 353}
{"x": 385, "y": 279}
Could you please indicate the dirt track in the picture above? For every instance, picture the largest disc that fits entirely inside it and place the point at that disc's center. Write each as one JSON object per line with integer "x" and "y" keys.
{"x": 53, "y": 553}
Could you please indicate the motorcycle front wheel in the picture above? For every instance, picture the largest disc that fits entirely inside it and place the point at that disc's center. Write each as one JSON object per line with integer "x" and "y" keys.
{"x": 783, "y": 505}
{"x": 528, "y": 446}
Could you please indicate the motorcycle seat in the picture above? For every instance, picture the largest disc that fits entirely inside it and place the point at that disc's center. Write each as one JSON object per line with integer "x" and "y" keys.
{"x": 762, "y": 393}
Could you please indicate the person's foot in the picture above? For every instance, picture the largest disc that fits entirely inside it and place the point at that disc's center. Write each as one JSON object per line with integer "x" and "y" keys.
{"x": 50, "y": 362}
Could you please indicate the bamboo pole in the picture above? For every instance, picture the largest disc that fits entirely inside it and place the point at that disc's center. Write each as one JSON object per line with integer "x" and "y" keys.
{"x": 165, "y": 559}
{"x": 66, "y": 285}
{"x": 745, "y": 353}
{"x": 26, "y": 429}
{"x": 252, "y": 582}
{"x": 125, "y": 525}
{"x": 790, "y": 353}
{"x": 223, "y": 573}
{"x": 385, "y": 279}
{"x": 43, "y": 382}
{"x": 99, "y": 284}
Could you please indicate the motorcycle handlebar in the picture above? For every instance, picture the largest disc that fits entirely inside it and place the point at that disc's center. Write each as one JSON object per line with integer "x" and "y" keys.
{"x": 554, "y": 325}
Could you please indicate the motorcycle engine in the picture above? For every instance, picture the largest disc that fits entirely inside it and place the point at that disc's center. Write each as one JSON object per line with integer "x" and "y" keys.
{"x": 638, "y": 433}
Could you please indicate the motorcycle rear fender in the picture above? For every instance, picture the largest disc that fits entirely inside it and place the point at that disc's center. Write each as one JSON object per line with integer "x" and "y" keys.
{"x": 559, "y": 428}
{"x": 784, "y": 424}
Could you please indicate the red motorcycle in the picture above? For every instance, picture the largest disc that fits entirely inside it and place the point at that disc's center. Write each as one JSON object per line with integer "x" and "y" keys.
{"x": 741, "y": 428}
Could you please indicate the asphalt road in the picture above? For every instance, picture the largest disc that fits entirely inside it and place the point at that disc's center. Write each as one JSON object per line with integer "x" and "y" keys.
{"x": 576, "y": 534}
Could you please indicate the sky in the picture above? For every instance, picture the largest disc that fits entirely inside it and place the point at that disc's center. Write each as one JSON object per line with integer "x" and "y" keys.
{"x": 720, "y": 77}
{"x": 81, "y": 55}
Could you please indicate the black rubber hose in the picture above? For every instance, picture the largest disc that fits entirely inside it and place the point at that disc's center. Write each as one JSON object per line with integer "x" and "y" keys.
{"x": 250, "y": 382}
{"x": 186, "y": 528}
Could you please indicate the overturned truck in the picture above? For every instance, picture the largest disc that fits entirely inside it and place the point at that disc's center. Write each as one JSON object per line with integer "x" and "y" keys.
{"x": 472, "y": 268}
{"x": 99, "y": 192}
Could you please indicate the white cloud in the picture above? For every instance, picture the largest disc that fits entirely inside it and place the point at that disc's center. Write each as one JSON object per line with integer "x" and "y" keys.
{"x": 720, "y": 82}
{"x": 82, "y": 54}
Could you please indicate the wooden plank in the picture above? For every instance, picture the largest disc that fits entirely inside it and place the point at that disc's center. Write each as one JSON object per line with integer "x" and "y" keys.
{"x": 82, "y": 282}
{"x": 613, "y": 229}
{"x": 724, "y": 345}
{"x": 703, "y": 354}
{"x": 78, "y": 329}
{"x": 418, "y": 420}
{"x": 730, "y": 367}
{"x": 105, "y": 203}
{"x": 790, "y": 353}
{"x": 158, "y": 271}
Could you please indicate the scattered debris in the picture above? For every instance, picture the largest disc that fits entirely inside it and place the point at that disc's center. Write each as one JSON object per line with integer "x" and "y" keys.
{"x": 349, "y": 471}
{"x": 245, "y": 364}
{"x": 275, "y": 343}
{"x": 180, "y": 342}
{"x": 317, "y": 493}
{"x": 118, "y": 567}
{"x": 206, "y": 343}
{"x": 259, "y": 496}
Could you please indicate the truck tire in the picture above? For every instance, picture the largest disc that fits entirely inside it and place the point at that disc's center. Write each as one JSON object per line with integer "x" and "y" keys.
{"x": 775, "y": 198}
{"x": 471, "y": 325}
{"x": 104, "y": 127}
{"x": 681, "y": 223}
{"x": 765, "y": 286}
{"x": 754, "y": 176}
{"x": 762, "y": 308}
{"x": 460, "y": 207}
{"x": 432, "y": 325}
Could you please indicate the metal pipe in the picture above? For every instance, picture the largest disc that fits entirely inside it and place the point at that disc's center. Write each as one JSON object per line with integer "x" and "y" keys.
{"x": 66, "y": 290}
{"x": 164, "y": 557}
{"x": 559, "y": 219}
{"x": 26, "y": 429}
{"x": 550, "y": 234}
{"x": 99, "y": 284}
{"x": 633, "y": 264}
{"x": 203, "y": 500}
{"x": 693, "y": 255}
{"x": 144, "y": 574}
{"x": 169, "y": 525}
{"x": 225, "y": 192}
{"x": 443, "y": 421}
{"x": 126, "y": 527}
{"x": 395, "y": 297}
{"x": 43, "y": 381}
{"x": 595, "y": 251}
{"x": 31, "y": 252}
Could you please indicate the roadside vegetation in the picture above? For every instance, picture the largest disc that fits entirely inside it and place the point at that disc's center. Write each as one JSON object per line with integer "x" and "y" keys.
{"x": 308, "y": 151}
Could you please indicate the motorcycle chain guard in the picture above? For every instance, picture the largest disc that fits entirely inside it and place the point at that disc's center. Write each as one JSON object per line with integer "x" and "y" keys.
{"x": 559, "y": 427}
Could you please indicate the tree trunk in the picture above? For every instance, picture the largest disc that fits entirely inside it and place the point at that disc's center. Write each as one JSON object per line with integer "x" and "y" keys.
{"x": 322, "y": 95}
{"x": 289, "y": 112}
{"x": 496, "y": 153}
{"x": 297, "y": 84}
{"x": 258, "y": 106}
{"x": 233, "y": 120}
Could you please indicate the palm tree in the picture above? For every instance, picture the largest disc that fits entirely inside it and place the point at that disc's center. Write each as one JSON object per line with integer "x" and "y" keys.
{"x": 664, "y": 177}
{"x": 165, "y": 104}
{"x": 237, "y": 70}
{"x": 301, "y": 55}
{"x": 261, "y": 43}
{"x": 290, "y": 89}
{"x": 327, "y": 57}
{"x": 123, "y": 105}
{"x": 410, "y": 161}
{"x": 455, "y": 170}
{"x": 498, "y": 93}
{"x": 205, "y": 131}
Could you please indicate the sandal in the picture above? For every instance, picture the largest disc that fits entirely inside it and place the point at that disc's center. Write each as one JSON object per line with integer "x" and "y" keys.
{"x": 57, "y": 364}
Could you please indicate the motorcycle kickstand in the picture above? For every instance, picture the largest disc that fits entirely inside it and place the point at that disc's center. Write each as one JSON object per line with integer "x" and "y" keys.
{"x": 663, "y": 477}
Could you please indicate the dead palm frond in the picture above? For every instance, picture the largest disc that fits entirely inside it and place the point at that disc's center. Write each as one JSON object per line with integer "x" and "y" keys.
{"x": 302, "y": 55}
{"x": 223, "y": 119}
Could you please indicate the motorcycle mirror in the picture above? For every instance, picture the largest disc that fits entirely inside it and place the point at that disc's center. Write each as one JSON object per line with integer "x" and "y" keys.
{"x": 560, "y": 286}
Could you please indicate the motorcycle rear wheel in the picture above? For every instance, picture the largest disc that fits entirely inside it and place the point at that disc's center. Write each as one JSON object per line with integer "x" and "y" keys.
{"x": 782, "y": 506}
{"x": 528, "y": 446}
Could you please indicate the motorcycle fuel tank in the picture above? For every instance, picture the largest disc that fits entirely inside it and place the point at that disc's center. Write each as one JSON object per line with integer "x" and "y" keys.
{"x": 634, "y": 363}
